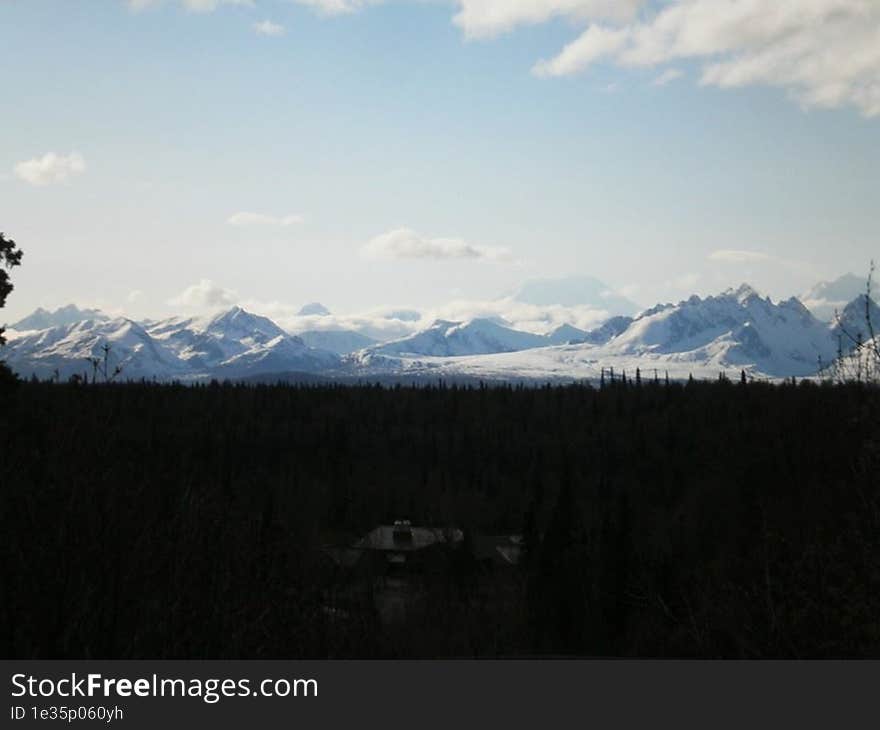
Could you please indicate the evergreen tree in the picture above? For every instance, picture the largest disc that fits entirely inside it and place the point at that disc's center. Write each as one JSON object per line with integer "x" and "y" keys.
{"x": 10, "y": 256}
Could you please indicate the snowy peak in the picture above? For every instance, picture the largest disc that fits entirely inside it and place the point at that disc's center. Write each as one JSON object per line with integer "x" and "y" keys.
{"x": 743, "y": 293}
{"x": 232, "y": 344}
{"x": 41, "y": 319}
{"x": 72, "y": 350}
{"x": 735, "y": 328}
{"x": 238, "y": 325}
{"x": 858, "y": 322}
{"x": 565, "y": 334}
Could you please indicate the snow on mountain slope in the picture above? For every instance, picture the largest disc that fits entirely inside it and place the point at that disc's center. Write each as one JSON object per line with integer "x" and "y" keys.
{"x": 341, "y": 342}
{"x": 736, "y": 328}
{"x": 604, "y": 334}
{"x": 283, "y": 354}
{"x": 233, "y": 344}
{"x": 476, "y": 337}
{"x": 565, "y": 363}
{"x": 725, "y": 333}
{"x": 564, "y": 334}
{"x": 68, "y": 349}
{"x": 857, "y": 321}
{"x": 236, "y": 343}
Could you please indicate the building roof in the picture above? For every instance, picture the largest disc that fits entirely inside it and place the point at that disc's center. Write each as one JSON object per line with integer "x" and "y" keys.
{"x": 407, "y": 538}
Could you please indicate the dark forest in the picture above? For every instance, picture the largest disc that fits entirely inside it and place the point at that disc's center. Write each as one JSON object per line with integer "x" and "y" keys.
{"x": 684, "y": 520}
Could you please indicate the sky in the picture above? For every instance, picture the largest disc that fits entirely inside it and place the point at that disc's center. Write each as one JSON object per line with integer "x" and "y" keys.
{"x": 167, "y": 156}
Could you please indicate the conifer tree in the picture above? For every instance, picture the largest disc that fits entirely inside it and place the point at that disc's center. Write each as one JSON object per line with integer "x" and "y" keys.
{"x": 10, "y": 256}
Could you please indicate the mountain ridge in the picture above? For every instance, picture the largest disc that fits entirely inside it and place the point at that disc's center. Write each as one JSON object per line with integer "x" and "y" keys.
{"x": 736, "y": 329}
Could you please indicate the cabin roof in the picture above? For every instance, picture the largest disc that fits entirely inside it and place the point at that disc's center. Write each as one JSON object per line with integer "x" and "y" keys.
{"x": 407, "y": 538}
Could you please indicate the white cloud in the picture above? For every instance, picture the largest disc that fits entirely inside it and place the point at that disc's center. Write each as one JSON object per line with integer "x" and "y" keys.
{"x": 487, "y": 18}
{"x": 337, "y": 7}
{"x": 50, "y": 168}
{"x": 826, "y": 53}
{"x": 135, "y": 295}
{"x": 380, "y": 323}
{"x": 203, "y": 295}
{"x": 669, "y": 75}
{"x": 518, "y": 315}
{"x": 595, "y": 42}
{"x": 403, "y": 243}
{"x": 244, "y": 218}
{"x": 385, "y": 323}
{"x": 267, "y": 27}
{"x": 734, "y": 256}
{"x": 195, "y": 6}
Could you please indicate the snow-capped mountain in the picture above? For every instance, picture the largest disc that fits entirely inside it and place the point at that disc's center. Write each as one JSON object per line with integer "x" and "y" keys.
{"x": 608, "y": 331}
{"x": 233, "y": 344}
{"x": 735, "y": 330}
{"x": 70, "y": 349}
{"x": 738, "y": 329}
{"x": 237, "y": 343}
{"x": 858, "y": 321}
{"x": 563, "y": 335}
{"x": 42, "y": 319}
{"x": 476, "y": 337}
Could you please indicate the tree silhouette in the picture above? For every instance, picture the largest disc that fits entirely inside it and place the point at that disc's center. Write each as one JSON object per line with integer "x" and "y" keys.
{"x": 858, "y": 352}
{"x": 10, "y": 256}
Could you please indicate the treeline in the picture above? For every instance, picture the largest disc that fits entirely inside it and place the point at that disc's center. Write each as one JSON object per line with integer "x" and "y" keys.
{"x": 699, "y": 520}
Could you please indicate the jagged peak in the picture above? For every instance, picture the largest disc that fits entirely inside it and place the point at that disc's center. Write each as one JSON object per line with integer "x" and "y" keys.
{"x": 42, "y": 318}
{"x": 742, "y": 293}
{"x": 228, "y": 315}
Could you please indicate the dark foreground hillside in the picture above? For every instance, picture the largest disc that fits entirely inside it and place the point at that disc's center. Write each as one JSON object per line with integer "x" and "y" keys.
{"x": 707, "y": 520}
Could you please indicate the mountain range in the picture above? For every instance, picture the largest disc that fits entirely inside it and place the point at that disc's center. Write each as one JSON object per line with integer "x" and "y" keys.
{"x": 732, "y": 331}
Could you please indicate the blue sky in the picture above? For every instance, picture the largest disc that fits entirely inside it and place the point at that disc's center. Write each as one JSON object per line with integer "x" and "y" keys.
{"x": 393, "y": 155}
